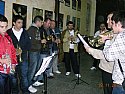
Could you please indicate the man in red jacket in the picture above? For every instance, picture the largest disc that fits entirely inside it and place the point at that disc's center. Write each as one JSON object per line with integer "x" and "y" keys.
{"x": 8, "y": 60}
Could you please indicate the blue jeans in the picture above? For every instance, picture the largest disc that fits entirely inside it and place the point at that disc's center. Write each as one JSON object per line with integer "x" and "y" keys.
{"x": 118, "y": 90}
{"x": 8, "y": 84}
{"x": 34, "y": 63}
{"x": 23, "y": 73}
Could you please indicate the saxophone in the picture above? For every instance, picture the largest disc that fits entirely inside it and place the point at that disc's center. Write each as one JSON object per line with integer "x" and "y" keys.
{"x": 97, "y": 42}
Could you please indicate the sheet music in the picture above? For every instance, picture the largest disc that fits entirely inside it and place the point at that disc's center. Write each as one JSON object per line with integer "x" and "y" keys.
{"x": 45, "y": 64}
{"x": 83, "y": 41}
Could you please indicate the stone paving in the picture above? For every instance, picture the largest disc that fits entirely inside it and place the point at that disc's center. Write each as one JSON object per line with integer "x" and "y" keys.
{"x": 62, "y": 84}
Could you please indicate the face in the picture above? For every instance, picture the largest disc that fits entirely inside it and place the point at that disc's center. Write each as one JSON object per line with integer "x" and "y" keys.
{"x": 109, "y": 21}
{"x": 70, "y": 26}
{"x": 3, "y": 27}
{"x": 39, "y": 23}
{"x": 116, "y": 27}
{"x": 102, "y": 27}
{"x": 47, "y": 24}
{"x": 18, "y": 24}
{"x": 52, "y": 25}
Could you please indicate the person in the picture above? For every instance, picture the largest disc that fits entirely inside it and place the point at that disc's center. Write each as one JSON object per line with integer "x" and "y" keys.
{"x": 101, "y": 31}
{"x": 105, "y": 66}
{"x": 21, "y": 41}
{"x": 46, "y": 49}
{"x": 70, "y": 49}
{"x": 8, "y": 61}
{"x": 115, "y": 51}
{"x": 56, "y": 35}
{"x": 34, "y": 54}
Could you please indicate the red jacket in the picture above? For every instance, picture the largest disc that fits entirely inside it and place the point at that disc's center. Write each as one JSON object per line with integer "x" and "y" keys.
{"x": 6, "y": 46}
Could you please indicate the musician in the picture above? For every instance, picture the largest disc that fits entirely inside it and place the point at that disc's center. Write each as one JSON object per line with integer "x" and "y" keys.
{"x": 21, "y": 39}
{"x": 101, "y": 31}
{"x": 70, "y": 49}
{"x": 56, "y": 35}
{"x": 34, "y": 54}
{"x": 46, "y": 40}
{"x": 105, "y": 66}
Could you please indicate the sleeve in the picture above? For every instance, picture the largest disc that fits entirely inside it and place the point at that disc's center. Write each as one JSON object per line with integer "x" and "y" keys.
{"x": 98, "y": 54}
{"x": 13, "y": 55}
{"x": 116, "y": 50}
{"x": 28, "y": 42}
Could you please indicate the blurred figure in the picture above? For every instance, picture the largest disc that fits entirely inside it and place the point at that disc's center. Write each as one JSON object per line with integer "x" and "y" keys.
{"x": 56, "y": 35}
{"x": 34, "y": 54}
{"x": 8, "y": 62}
{"x": 101, "y": 31}
{"x": 70, "y": 49}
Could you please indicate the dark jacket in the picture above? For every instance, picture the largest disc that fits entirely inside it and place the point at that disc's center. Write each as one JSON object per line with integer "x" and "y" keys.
{"x": 24, "y": 42}
{"x": 56, "y": 34}
{"x": 34, "y": 35}
{"x": 44, "y": 34}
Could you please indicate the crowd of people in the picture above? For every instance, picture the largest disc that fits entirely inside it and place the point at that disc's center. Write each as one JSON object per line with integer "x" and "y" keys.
{"x": 22, "y": 52}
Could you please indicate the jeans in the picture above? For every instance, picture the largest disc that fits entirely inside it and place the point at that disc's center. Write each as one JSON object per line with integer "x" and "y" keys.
{"x": 34, "y": 65}
{"x": 23, "y": 73}
{"x": 118, "y": 90}
{"x": 8, "y": 84}
{"x": 71, "y": 56}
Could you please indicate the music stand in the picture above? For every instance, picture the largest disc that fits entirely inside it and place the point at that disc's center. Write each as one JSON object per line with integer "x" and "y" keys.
{"x": 78, "y": 78}
{"x": 47, "y": 63}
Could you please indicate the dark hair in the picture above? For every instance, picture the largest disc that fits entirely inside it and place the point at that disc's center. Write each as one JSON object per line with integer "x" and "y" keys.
{"x": 69, "y": 22}
{"x": 3, "y": 18}
{"x": 46, "y": 19}
{"x": 119, "y": 17}
{"x": 17, "y": 17}
{"x": 38, "y": 18}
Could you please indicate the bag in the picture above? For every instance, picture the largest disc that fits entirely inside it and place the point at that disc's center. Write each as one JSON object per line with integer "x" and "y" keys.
{"x": 123, "y": 84}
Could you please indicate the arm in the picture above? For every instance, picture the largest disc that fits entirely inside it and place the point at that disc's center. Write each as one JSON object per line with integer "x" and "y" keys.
{"x": 116, "y": 49}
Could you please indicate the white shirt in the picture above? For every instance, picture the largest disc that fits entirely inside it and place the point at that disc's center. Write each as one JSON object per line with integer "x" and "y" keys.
{"x": 17, "y": 33}
{"x": 76, "y": 41}
{"x": 114, "y": 51}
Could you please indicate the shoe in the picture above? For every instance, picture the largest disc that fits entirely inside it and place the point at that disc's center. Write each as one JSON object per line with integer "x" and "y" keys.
{"x": 37, "y": 83}
{"x": 58, "y": 72}
{"x": 93, "y": 68}
{"x": 78, "y": 75}
{"x": 51, "y": 74}
{"x": 68, "y": 73}
{"x": 32, "y": 89}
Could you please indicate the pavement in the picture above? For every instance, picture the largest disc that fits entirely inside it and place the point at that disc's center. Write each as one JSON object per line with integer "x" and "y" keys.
{"x": 89, "y": 83}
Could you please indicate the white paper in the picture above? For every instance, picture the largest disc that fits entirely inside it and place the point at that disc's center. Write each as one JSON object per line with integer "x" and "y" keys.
{"x": 83, "y": 41}
{"x": 45, "y": 64}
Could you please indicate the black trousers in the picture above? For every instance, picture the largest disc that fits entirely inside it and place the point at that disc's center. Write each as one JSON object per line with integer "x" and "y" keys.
{"x": 107, "y": 82}
{"x": 70, "y": 58}
{"x": 96, "y": 62}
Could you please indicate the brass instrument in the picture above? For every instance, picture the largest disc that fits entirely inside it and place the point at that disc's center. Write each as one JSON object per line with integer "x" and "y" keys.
{"x": 97, "y": 42}
{"x": 19, "y": 52}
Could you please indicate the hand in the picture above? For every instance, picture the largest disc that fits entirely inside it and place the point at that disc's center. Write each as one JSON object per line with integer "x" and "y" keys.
{"x": 43, "y": 41}
{"x": 57, "y": 41}
{"x": 18, "y": 51}
{"x": 87, "y": 49}
{"x": 6, "y": 61}
{"x": 104, "y": 38}
{"x": 13, "y": 67}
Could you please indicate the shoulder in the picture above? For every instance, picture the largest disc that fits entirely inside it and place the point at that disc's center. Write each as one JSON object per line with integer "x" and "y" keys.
{"x": 9, "y": 31}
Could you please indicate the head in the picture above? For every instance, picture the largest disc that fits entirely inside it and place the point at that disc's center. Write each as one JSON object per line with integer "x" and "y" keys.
{"x": 52, "y": 24}
{"x": 18, "y": 22}
{"x": 118, "y": 22}
{"x": 70, "y": 25}
{"x": 38, "y": 20}
{"x": 46, "y": 23}
{"x": 102, "y": 27}
{"x": 3, "y": 24}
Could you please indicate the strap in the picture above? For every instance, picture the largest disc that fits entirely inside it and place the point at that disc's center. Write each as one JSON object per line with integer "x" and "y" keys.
{"x": 120, "y": 67}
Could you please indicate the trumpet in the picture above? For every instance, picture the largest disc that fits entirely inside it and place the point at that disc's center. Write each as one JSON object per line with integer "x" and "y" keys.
{"x": 97, "y": 42}
{"x": 19, "y": 52}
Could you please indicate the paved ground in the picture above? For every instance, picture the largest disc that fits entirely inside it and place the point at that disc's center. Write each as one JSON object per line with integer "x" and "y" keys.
{"x": 62, "y": 84}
